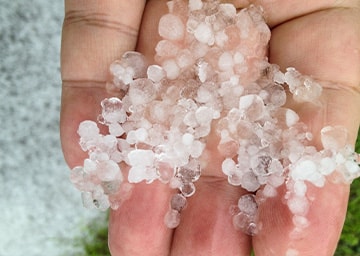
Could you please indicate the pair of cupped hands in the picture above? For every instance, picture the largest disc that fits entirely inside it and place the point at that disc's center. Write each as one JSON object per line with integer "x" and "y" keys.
{"x": 319, "y": 38}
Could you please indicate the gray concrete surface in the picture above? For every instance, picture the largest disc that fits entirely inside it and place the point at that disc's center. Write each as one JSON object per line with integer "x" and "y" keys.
{"x": 40, "y": 211}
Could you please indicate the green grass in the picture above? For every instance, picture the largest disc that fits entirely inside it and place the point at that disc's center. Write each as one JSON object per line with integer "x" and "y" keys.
{"x": 94, "y": 240}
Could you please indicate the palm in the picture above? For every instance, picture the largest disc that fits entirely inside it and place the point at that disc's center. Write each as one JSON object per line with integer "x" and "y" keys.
{"x": 206, "y": 227}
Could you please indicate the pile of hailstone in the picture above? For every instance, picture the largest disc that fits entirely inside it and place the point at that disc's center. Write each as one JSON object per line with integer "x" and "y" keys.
{"x": 211, "y": 74}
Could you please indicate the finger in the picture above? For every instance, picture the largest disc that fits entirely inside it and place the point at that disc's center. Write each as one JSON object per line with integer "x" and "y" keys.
{"x": 280, "y": 11}
{"x": 325, "y": 218}
{"x": 95, "y": 33}
{"x": 321, "y": 52}
{"x": 206, "y": 226}
{"x": 138, "y": 227}
{"x": 326, "y": 46}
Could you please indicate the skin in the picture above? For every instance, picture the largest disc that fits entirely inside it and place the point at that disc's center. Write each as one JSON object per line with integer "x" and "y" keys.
{"x": 321, "y": 38}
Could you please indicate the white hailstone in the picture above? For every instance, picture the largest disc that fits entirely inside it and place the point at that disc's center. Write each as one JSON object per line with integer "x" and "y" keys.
{"x": 137, "y": 62}
{"x": 252, "y": 107}
{"x": 156, "y": 73}
{"x": 185, "y": 59}
{"x": 187, "y": 189}
{"x": 141, "y": 157}
{"x": 141, "y": 91}
{"x": 77, "y": 175}
{"x": 171, "y": 68}
{"x": 108, "y": 171}
{"x": 100, "y": 200}
{"x": 300, "y": 188}
{"x": 269, "y": 191}
{"x": 204, "y": 115}
{"x": 352, "y": 167}
{"x": 227, "y": 10}
{"x": 89, "y": 165}
{"x": 172, "y": 218}
{"x": 334, "y": 137}
{"x": 140, "y": 173}
{"x": 197, "y": 149}
{"x": 204, "y": 34}
{"x": 87, "y": 200}
{"x": 178, "y": 202}
{"x": 247, "y": 204}
{"x": 327, "y": 165}
{"x": 298, "y": 205}
{"x": 221, "y": 38}
{"x": 279, "y": 77}
{"x": 175, "y": 183}
{"x": 234, "y": 179}
{"x": 249, "y": 181}
{"x": 225, "y": 61}
{"x": 165, "y": 171}
{"x": 112, "y": 111}
{"x": 131, "y": 137}
{"x": 239, "y": 58}
{"x": 303, "y": 170}
{"x": 141, "y": 134}
{"x": 300, "y": 221}
{"x": 291, "y": 117}
{"x": 187, "y": 139}
{"x": 121, "y": 72}
{"x": 171, "y": 27}
{"x": 204, "y": 95}
{"x": 88, "y": 130}
{"x": 203, "y": 71}
{"x": 190, "y": 119}
{"x": 195, "y": 5}
{"x": 246, "y": 223}
{"x": 228, "y": 166}
{"x": 116, "y": 129}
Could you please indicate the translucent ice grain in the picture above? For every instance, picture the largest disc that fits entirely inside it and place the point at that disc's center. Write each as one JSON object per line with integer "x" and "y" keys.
{"x": 211, "y": 76}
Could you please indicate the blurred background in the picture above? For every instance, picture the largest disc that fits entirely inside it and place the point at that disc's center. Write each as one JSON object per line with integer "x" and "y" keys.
{"x": 40, "y": 211}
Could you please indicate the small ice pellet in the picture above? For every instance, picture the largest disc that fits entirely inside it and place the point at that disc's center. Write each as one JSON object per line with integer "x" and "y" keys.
{"x": 247, "y": 204}
{"x": 141, "y": 134}
{"x": 172, "y": 219}
{"x": 225, "y": 61}
{"x": 88, "y": 129}
{"x": 141, "y": 157}
{"x": 269, "y": 191}
{"x": 252, "y": 107}
{"x": 195, "y": 5}
{"x": 334, "y": 138}
{"x": 108, "y": 171}
{"x": 187, "y": 189}
{"x": 204, "y": 34}
{"x": 303, "y": 170}
{"x": 249, "y": 182}
{"x": 171, "y": 68}
{"x": 300, "y": 188}
{"x": 155, "y": 73}
{"x": 116, "y": 129}
{"x": 178, "y": 202}
{"x": 187, "y": 139}
{"x": 228, "y": 166}
{"x": 298, "y": 205}
{"x": 291, "y": 117}
{"x": 171, "y": 27}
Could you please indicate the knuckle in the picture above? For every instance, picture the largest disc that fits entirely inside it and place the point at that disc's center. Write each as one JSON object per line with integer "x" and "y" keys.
{"x": 99, "y": 20}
